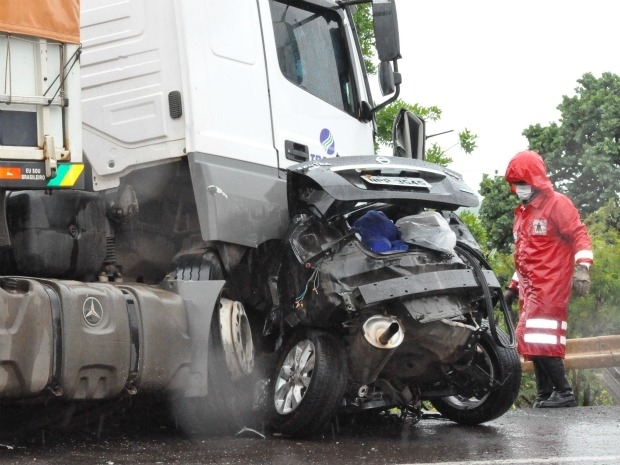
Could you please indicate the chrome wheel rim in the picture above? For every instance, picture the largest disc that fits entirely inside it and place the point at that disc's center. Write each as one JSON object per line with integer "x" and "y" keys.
{"x": 294, "y": 377}
{"x": 237, "y": 341}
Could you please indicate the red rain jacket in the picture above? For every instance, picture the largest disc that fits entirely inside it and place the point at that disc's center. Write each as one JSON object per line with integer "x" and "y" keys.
{"x": 549, "y": 240}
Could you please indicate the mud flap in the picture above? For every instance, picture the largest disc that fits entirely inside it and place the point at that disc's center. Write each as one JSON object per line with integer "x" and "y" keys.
{"x": 200, "y": 298}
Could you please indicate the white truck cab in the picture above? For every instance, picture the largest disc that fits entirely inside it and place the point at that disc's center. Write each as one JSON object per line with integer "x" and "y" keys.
{"x": 243, "y": 89}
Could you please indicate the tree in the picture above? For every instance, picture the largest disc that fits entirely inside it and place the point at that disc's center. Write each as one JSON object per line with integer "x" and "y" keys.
{"x": 582, "y": 152}
{"x": 496, "y": 212}
{"x": 366, "y": 34}
{"x": 474, "y": 225}
{"x": 597, "y": 313}
{"x": 386, "y": 115}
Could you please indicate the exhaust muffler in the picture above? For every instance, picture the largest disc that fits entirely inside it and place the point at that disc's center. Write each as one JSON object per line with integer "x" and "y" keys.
{"x": 373, "y": 346}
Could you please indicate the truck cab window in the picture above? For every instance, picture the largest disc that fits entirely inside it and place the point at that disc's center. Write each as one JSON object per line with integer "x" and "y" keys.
{"x": 313, "y": 53}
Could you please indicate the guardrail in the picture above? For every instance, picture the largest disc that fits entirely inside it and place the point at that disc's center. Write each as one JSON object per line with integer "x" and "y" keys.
{"x": 588, "y": 352}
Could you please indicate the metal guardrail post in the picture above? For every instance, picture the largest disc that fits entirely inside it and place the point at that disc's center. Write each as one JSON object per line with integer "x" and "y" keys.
{"x": 611, "y": 378}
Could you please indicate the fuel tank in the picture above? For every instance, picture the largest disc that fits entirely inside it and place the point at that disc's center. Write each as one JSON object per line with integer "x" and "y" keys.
{"x": 90, "y": 340}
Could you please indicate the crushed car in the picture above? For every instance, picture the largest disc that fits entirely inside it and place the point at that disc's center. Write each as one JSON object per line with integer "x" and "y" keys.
{"x": 385, "y": 299}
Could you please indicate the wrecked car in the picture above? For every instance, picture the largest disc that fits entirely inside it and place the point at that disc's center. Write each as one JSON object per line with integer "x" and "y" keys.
{"x": 385, "y": 299}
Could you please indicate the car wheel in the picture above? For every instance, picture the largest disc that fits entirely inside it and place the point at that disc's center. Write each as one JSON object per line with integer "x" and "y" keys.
{"x": 308, "y": 384}
{"x": 504, "y": 365}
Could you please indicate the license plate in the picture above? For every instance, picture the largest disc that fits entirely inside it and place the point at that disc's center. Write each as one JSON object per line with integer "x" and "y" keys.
{"x": 396, "y": 181}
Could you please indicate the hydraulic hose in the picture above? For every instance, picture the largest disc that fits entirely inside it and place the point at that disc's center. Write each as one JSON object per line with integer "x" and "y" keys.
{"x": 476, "y": 259}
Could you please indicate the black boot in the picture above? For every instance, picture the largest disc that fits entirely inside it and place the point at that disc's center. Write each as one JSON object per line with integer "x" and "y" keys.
{"x": 544, "y": 386}
{"x": 562, "y": 395}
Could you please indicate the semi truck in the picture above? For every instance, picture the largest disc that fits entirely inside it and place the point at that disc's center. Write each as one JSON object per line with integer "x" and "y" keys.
{"x": 178, "y": 182}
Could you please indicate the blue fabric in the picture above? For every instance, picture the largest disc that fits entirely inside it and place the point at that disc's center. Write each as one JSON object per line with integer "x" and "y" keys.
{"x": 378, "y": 232}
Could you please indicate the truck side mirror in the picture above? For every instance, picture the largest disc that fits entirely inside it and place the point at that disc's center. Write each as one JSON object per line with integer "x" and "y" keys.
{"x": 408, "y": 135}
{"x": 386, "y": 30}
{"x": 388, "y": 78}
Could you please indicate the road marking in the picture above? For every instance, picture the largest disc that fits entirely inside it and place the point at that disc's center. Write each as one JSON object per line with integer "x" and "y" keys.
{"x": 530, "y": 461}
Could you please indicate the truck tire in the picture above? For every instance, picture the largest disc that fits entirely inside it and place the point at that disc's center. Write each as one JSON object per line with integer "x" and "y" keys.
{"x": 308, "y": 384}
{"x": 504, "y": 365}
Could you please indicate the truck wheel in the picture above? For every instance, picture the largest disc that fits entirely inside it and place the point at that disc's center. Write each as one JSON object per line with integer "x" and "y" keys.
{"x": 308, "y": 383}
{"x": 227, "y": 406}
{"x": 504, "y": 365}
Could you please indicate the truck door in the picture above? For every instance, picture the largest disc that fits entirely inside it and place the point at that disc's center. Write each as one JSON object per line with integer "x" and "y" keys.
{"x": 315, "y": 83}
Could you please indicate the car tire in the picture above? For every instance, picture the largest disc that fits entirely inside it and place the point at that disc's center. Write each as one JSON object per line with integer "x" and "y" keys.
{"x": 308, "y": 383}
{"x": 505, "y": 366}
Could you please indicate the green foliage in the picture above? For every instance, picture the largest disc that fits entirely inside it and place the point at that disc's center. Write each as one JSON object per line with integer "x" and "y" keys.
{"x": 502, "y": 263}
{"x": 474, "y": 225}
{"x": 597, "y": 313}
{"x": 527, "y": 392}
{"x": 467, "y": 140}
{"x": 503, "y": 266}
{"x": 365, "y": 30}
{"x": 433, "y": 153}
{"x": 605, "y": 222}
{"x": 385, "y": 118}
{"x": 497, "y": 212}
{"x": 583, "y": 152}
{"x": 588, "y": 388}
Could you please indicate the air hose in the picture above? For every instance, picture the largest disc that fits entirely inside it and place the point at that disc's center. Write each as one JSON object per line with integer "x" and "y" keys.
{"x": 476, "y": 259}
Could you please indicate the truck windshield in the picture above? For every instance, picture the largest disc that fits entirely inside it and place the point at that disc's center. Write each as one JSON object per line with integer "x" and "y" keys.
{"x": 313, "y": 53}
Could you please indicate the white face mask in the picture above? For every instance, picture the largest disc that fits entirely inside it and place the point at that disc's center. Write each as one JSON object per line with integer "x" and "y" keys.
{"x": 524, "y": 191}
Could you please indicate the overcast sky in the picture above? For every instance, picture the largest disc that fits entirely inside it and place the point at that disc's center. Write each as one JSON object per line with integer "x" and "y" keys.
{"x": 497, "y": 67}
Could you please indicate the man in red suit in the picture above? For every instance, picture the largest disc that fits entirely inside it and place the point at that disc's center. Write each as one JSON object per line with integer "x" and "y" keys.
{"x": 553, "y": 255}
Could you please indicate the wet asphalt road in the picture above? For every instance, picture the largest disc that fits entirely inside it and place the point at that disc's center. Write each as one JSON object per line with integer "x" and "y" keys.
{"x": 584, "y": 435}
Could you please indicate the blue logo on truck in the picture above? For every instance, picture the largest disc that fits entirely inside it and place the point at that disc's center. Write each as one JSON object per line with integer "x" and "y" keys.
{"x": 327, "y": 141}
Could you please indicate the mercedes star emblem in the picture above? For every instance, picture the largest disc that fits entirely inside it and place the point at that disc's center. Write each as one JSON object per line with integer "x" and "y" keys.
{"x": 92, "y": 311}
